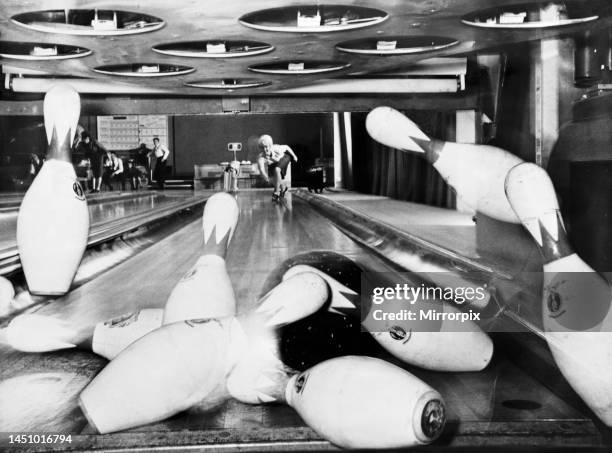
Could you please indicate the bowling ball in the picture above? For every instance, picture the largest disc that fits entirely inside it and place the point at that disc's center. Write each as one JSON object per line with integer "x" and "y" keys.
{"x": 331, "y": 331}
{"x": 322, "y": 336}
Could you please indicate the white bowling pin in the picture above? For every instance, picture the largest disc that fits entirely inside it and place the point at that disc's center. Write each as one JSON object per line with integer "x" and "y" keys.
{"x": 7, "y": 292}
{"x": 53, "y": 221}
{"x": 444, "y": 345}
{"x": 111, "y": 337}
{"x": 182, "y": 364}
{"x": 575, "y": 301}
{"x": 163, "y": 373}
{"x": 293, "y": 299}
{"x": 363, "y": 402}
{"x": 206, "y": 290}
{"x": 22, "y": 299}
{"x": 43, "y": 333}
{"x": 38, "y": 333}
{"x": 476, "y": 172}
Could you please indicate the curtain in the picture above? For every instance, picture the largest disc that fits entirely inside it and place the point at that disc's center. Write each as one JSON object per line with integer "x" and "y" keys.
{"x": 381, "y": 170}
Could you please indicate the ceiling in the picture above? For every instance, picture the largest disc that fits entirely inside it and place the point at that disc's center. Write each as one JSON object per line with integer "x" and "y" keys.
{"x": 188, "y": 20}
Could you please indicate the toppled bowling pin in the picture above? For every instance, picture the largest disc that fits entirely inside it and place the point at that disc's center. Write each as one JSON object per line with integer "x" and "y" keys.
{"x": 294, "y": 299}
{"x": 113, "y": 336}
{"x": 163, "y": 373}
{"x": 7, "y": 292}
{"x": 341, "y": 274}
{"x": 53, "y": 220}
{"x": 185, "y": 363}
{"x": 206, "y": 290}
{"x": 575, "y": 301}
{"x": 39, "y": 333}
{"x": 441, "y": 345}
{"x": 22, "y": 299}
{"x": 43, "y": 333}
{"x": 363, "y": 402}
{"x": 476, "y": 172}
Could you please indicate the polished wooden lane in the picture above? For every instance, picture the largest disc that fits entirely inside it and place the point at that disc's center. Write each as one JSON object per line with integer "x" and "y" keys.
{"x": 38, "y": 391}
{"x": 102, "y": 209}
{"x": 111, "y": 214}
{"x": 446, "y": 228}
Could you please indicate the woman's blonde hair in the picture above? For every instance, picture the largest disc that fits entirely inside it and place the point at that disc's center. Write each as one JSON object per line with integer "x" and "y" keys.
{"x": 264, "y": 140}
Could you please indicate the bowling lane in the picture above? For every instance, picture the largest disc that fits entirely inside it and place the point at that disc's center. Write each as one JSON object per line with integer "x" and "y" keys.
{"x": 106, "y": 211}
{"x": 39, "y": 391}
{"x": 446, "y": 229}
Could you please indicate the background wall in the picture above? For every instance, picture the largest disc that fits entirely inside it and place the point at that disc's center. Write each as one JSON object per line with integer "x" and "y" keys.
{"x": 203, "y": 139}
{"x": 194, "y": 139}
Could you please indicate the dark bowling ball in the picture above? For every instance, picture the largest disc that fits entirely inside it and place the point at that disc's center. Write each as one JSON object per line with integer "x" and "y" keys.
{"x": 322, "y": 336}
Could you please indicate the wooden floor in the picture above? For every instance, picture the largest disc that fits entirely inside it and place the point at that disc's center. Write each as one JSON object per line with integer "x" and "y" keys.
{"x": 38, "y": 391}
{"x": 103, "y": 208}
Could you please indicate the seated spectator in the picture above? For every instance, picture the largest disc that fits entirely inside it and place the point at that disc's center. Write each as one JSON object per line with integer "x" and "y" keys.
{"x": 133, "y": 174}
{"x": 113, "y": 170}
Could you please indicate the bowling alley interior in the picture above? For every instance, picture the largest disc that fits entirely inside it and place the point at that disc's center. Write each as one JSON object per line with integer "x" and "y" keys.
{"x": 274, "y": 225}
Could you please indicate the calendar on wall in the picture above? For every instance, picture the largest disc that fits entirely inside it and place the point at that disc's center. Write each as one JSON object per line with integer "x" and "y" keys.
{"x": 122, "y": 132}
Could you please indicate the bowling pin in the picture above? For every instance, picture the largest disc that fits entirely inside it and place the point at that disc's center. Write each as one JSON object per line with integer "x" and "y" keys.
{"x": 575, "y": 300}
{"x": 182, "y": 364}
{"x": 7, "y": 292}
{"x": 206, "y": 290}
{"x": 163, "y": 373}
{"x": 441, "y": 345}
{"x": 44, "y": 333}
{"x": 291, "y": 300}
{"x": 476, "y": 172}
{"x": 53, "y": 220}
{"x": 38, "y": 333}
{"x": 363, "y": 402}
{"x": 113, "y": 336}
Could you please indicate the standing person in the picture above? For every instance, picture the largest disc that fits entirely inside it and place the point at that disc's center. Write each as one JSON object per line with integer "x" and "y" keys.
{"x": 93, "y": 151}
{"x": 277, "y": 158}
{"x": 161, "y": 152}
